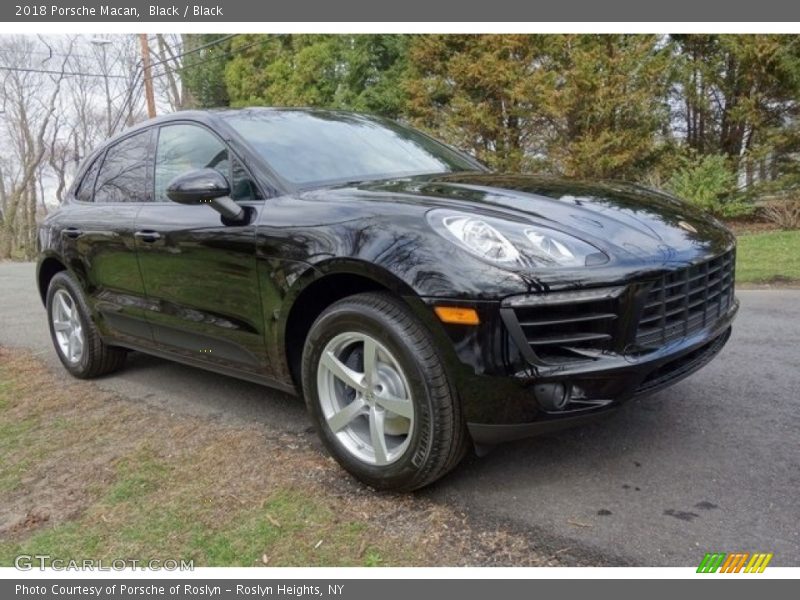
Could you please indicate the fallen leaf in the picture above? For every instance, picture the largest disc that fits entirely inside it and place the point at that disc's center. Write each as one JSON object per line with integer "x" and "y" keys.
{"x": 273, "y": 520}
{"x": 578, "y": 523}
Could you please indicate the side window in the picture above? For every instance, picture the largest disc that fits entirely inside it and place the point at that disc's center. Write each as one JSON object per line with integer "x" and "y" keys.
{"x": 242, "y": 186}
{"x": 85, "y": 191}
{"x": 183, "y": 148}
{"x": 123, "y": 176}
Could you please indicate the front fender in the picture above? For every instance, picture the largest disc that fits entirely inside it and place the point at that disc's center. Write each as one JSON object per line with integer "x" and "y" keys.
{"x": 332, "y": 268}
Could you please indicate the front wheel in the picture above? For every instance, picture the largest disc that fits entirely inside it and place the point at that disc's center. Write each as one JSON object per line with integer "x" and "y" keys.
{"x": 379, "y": 395}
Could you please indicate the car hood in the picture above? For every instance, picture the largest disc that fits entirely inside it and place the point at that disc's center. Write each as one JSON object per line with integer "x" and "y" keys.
{"x": 625, "y": 220}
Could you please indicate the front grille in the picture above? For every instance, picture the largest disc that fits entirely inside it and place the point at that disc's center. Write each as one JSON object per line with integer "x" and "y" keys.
{"x": 568, "y": 326}
{"x": 685, "y": 301}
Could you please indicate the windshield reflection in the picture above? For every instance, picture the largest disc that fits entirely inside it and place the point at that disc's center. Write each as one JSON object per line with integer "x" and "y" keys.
{"x": 316, "y": 147}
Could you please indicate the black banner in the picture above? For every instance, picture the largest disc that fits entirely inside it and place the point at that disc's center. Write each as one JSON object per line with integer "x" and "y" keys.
{"x": 370, "y": 589}
{"x": 408, "y": 11}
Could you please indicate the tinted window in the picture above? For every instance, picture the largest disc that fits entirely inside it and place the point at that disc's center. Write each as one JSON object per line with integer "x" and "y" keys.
{"x": 123, "y": 176}
{"x": 183, "y": 148}
{"x": 317, "y": 147}
{"x": 243, "y": 188}
{"x": 85, "y": 191}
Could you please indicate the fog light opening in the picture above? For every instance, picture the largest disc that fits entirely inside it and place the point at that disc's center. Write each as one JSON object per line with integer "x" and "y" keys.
{"x": 552, "y": 396}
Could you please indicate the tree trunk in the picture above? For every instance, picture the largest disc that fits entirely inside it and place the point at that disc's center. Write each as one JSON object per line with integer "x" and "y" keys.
{"x": 188, "y": 100}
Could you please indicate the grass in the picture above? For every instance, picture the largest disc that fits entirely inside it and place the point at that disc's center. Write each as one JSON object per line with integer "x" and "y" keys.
{"x": 769, "y": 257}
{"x": 154, "y": 503}
{"x": 84, "y": 474}
{"x": 285, "y": 531}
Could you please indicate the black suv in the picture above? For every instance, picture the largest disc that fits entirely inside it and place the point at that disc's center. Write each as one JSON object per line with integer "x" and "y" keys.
{"x": 416, "y": 300}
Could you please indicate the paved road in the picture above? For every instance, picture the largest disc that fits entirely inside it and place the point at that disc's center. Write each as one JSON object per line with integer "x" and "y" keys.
{"x": 712, "y": 464}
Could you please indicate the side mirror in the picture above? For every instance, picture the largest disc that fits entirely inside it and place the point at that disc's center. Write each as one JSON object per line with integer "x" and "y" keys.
{"x": 206, "y": 186}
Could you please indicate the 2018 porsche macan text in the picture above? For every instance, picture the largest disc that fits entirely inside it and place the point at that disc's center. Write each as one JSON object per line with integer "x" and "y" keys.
{"x": 418, "y": 302}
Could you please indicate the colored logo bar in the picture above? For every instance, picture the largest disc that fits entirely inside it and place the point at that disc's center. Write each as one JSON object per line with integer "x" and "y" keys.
{"x": 735, "y": 562}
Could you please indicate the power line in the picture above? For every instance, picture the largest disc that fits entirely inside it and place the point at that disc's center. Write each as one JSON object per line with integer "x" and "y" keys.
{"x": 81, "y": 74}
{"x": 223, "y": 55}
{"x": 44, "y": 53}
{"x": 134, "y": 87}
{"x": 64, "y": 73}
{"x": 193, "y": 50}
{"x": 152, "y": 64}
{"x": 137, "y": 84}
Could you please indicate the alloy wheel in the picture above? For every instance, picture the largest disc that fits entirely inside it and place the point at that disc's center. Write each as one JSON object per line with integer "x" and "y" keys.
{"x": 67, "y": 326}
{"x": 365, "y": 398}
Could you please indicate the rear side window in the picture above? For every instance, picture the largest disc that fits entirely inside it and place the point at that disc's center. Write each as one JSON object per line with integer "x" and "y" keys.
{"x": 184, "y": 147}
{"x": 85, "y": 191}
{"x": 123, "y": 176}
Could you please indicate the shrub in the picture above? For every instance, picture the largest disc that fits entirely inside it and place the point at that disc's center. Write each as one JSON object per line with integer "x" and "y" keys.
{"x": 737, "y": 209}
{"x": 708, "y": 182}
{"x": 783, "y": 212}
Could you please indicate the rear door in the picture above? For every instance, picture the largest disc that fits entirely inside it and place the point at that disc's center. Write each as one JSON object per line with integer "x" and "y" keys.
{"x": 97, "y": 236}
{"x": 200, "y": 274}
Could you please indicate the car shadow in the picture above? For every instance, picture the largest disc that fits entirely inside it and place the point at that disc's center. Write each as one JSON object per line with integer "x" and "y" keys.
{"x": 625, "y": 437}
{"x": 191, "y": 390}
{"x": 185, "y": 389}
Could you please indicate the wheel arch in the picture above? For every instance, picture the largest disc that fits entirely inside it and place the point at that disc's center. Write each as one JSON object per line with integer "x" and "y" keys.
{"x": 47, "y": 268}
{"x": 322, "y": 285}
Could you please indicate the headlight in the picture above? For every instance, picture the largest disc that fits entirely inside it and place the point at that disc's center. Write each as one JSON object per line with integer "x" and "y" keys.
{"x": 510, "y": 244}
{"x": 481, "y": 238}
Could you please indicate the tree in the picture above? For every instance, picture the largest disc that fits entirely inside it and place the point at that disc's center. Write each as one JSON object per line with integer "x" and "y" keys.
{"x": 61, "y": 96}
{"x": 740, "y": 97}
{"x": 169, "y": 60}
{"x": 612, "y": 116}
{"x": 586, "y": 105}
{"x": 360, "y": 72}
{"x": 716, "y": 118}
{"x": 484, "y": 93}
{"x": 284, "y": 70}
{"x": 375, "y": 68}
{"x": 202, "y": 70}
{"x": 706, "y": 181}
{"x": 29, "y": 119}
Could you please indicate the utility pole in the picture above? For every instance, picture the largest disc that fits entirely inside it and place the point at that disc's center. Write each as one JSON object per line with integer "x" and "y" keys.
{"x": 148, "y": 76}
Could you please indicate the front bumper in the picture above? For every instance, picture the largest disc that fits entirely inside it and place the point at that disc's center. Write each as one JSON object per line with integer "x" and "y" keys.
{"x": 495, "y": 372}
{"x": 608, "y": 387}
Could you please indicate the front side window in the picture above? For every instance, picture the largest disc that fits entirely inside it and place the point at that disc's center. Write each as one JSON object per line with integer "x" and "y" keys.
{"x": 123, "y": 175}
{"x": 183, "y": 148}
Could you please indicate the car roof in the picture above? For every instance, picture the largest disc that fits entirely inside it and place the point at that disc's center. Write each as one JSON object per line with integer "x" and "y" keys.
{"x": 210, "y": 115}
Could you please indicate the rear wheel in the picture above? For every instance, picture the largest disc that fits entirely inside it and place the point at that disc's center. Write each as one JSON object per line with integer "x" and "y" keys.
{"x": 378, "y": 393}
{"x": 75, "y": 337}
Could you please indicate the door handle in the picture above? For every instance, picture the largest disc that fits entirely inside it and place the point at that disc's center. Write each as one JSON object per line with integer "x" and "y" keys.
{"x": 147, "y": 235}
{"x": 72, "y": 232}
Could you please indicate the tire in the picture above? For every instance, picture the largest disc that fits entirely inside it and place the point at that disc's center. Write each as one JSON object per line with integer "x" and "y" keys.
{"x": 426, "y": 436}
{"x": 95, "y": 357}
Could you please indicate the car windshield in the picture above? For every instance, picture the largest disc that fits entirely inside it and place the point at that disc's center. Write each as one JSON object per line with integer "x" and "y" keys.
{"x": 309, "y": 148}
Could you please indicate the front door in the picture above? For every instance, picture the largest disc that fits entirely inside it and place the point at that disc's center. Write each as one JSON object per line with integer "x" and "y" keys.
{"x": 200, "y": 274}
